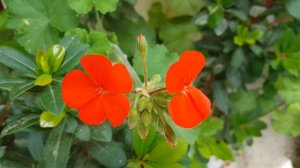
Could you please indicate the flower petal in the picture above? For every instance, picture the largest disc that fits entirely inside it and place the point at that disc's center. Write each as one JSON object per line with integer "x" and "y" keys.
{"x": 77, "y": 89}
{"x": 116, "y": 107}
{"x": 193, "y": 62}
{"x": 200, "y": 101}
{"x": 187, "y": 110}
{"x": 184, "y": 71}
{"x": 97, "y": 66}
{"x": 93, "y": 112}
{"x": 119, "y": 80}
{"x": 175, "y": 79}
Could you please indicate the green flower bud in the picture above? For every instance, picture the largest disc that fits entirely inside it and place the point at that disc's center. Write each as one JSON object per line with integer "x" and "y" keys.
{"x": 142, "y": 130}
{"x": 142, "y": 46}
{"x": 169, "y": 134}
{"x": 56, "y": 56}
{"x": 38, "y": 56}
{"x": 146, "y": 117}
{"x": 43, "y": 80}
{"x": 44, "y": 64}
{"x": 133, "y": 117}
{"x": 145, "y": 104}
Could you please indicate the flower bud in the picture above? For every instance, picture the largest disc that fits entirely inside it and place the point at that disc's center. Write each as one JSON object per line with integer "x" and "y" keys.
{"x": 56, "y": 56}
{"x": 169, "y": 134}
{"x": 145, "y": 104}
{"x": 44, "y": 64}
{"x": 133, "y": 117}
{"x": 147, "y": 118}
{"x": 142, "y": 46}
{"x": 142, "y": 130}
{"x": 38, "y": 57}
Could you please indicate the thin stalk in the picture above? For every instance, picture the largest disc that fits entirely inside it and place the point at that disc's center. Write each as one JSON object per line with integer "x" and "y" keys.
{"x": 144, "y": 62}
{"x": 123, "y": 58}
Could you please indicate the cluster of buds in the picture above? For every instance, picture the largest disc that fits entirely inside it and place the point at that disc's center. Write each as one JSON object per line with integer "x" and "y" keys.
{"x": 49, "y": 62}
{"x": 150, "y": 103}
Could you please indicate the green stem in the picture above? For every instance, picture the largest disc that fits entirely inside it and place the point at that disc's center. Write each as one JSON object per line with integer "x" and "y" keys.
{"x": 132, "y": 72}
{"x": 144, "y": 62}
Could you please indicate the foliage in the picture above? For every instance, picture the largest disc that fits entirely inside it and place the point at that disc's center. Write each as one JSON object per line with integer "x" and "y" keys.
{"x": 252, "y": 69}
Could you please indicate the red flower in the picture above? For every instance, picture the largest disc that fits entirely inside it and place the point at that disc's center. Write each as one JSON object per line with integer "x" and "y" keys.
{"x": 98, "y": 95}
{"x": 190, "y": 106}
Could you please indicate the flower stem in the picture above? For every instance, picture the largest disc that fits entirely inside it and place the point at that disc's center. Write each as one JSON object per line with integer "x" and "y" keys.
{"x": 144, "y": 62}
{"x": 132, "y": 72}
{"x": 157, "y": 90}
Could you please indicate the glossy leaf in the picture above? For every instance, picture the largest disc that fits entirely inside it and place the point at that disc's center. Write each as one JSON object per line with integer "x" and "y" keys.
{"x": 49, "y": 120}
{"x": 51, "y": 98}
{"x": 57, "y": 148}
{"x": 16, "y": 60}
{"x": 19, "y": 124}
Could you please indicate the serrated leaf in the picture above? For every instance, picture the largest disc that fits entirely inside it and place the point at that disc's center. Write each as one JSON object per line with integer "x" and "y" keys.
{"x": 16, "y": 60}
{"x": 20, "y": 88}
{"x": 287, "y": 121}
{"x": 19, "y": 124}
{"x": 51, "y": 98}
{"x": 102, "y": 132}
{"x": 105, "y": 6}
{"x": 57, "y": 148}
{"x": 288, "y": 89}
{"x": 49, "y": 120}
{"x": 108, "y": 154}
{"x": 39, "y": 24}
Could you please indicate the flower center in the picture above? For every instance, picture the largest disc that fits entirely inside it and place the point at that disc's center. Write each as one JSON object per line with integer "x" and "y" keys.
{"x": 101, "y": 90}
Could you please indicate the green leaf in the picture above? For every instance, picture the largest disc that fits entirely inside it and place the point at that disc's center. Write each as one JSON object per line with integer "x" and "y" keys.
{"x": 222, "y": 151}
{"x": 43, "y": 80}
{"x": 158, "y": 56}
{"x": 211, "y": 126}
{"x": 39, "y": 24}
{"x": 8, "y": 163}
{"x": 216, "y": 16}
{"x": 20, "y": 88}
{"x": 49, "y": 120}
{"x": 237, "y": 58}
{"x": 287, "y": 121}
{"x": 177, "y": 8}
{"x": 71, "y": 124}
{"x": 36, "y": 145}
{"x": 108, "y": 154}
{"x": 81, "y": 6}
{"x": 102, "y": 132}
{"x": 83, "y": 132}
{"x": 293, "y": 7}
{"x": 105, "y": 6}
{"x": 288, "y": 89}
{"x": 73, "y": 56}
{"x": 220, "y": 96}
{"x": 221, "y": 27}
{"x": 57, "y": 148}
{"x": 243, "y": 101}
{"x": 8, "y": 83}
{"x": 164, "y": 153}
{"x": 143, "y": 146}
{"x": 173, "y": 33}
{"x": 51, "y": 98}
{"x": 16, "y": 60}
{"x": 19, "y": 124}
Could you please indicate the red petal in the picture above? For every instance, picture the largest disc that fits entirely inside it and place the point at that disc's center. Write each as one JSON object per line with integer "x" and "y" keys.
{"x": 77, "y": 89}
{"x": 189, "y": 109}
{"x": 193, "y": 62}
{"x": 175, "y": 79}
{"x": 116, "y": 108}
{"x": 184, "y": 72}
{"x": 119, "y": 80}
{"x": 97, "y": 66}
{"x": 93, "y": 112}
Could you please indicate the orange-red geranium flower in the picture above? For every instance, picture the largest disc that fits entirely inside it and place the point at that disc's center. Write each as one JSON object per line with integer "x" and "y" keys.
{"x": 189, "y": 106}
{"x": 98, "y": 93}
